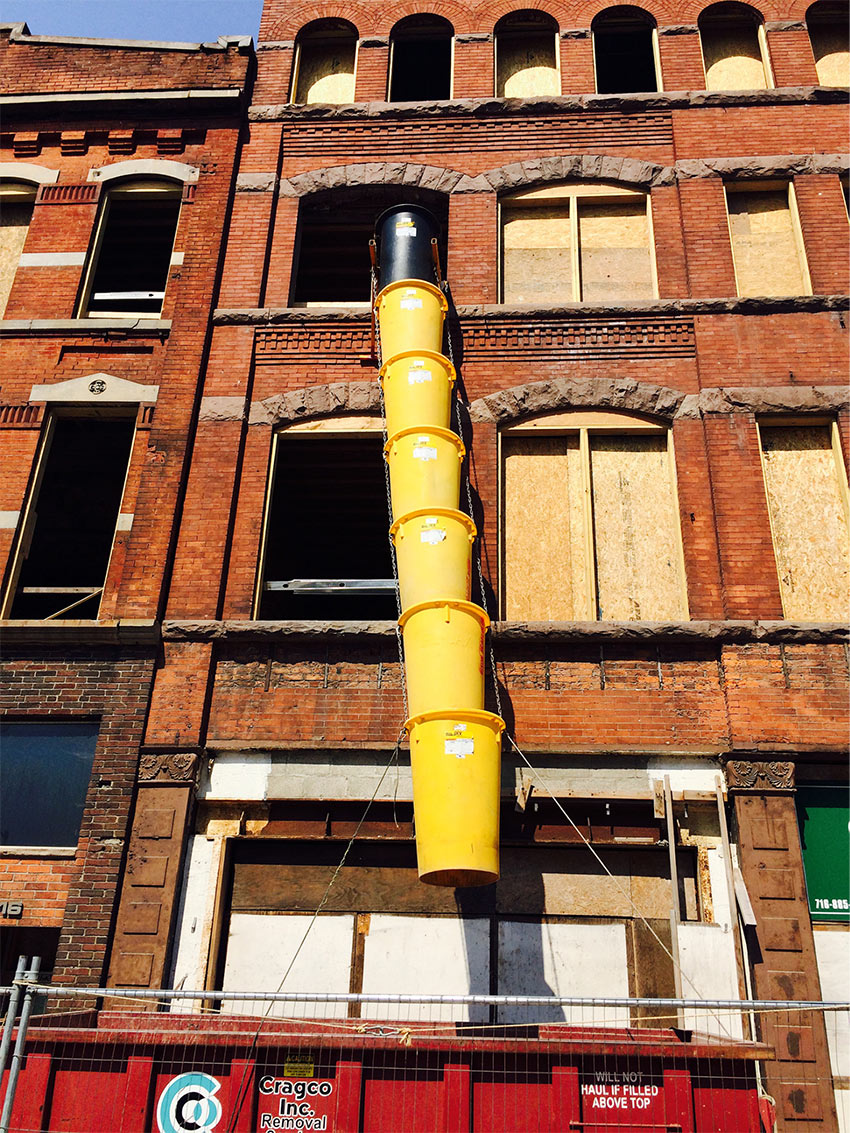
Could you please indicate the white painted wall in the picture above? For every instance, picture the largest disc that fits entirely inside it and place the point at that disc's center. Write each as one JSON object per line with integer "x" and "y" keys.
{"x": 426, "y": 956}
{"x": 260, "y": 948}
{"x": 259, "y": 775}
{"x": 563, "y": 959}
{"x": 194, "y": 916}
{"x": 707, "y": 957}
{"x": 832, "y": 949}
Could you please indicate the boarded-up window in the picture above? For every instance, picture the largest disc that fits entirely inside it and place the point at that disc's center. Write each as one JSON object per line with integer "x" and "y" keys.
{"x": 526, "y": 61}
{"x": 556, "y": 923}
{"x": 733, "y": 48}
{"x": 16, "y": 204}
{"x": 325, "y": 63}
{"x": 828, "y": 32}
{"x": 590, "y": 526}
{"x": 807, "y": 497}
{"x": 766, "y": 243}
{"x": 576, "y": 243}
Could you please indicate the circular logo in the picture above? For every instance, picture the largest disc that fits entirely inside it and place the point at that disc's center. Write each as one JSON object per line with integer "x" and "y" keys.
{"x": 97, "y": 386}
{"x": 187, "y": 1104}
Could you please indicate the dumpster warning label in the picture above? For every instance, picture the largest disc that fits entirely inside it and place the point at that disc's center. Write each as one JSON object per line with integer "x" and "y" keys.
{"x": 629, "y": 1093}
{"x": 296, "y": 1103}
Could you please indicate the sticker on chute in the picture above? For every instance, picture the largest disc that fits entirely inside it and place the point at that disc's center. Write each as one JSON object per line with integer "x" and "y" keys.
{"x": 415, "y": 376}
{"x": 433, "y": 536}
{"x": 460, "y": 748}
{"x": 424, "y": 452}
{"x": 410, "y": 304}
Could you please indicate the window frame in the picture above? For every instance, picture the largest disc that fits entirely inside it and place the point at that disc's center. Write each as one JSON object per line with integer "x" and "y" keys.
{"x": 296, "y": 66}
{"x": 744, "y": 187}
{"x": 327, "y": 427}
{"x": 764, "y": 52}
{"x": 150, "y": 187}
{"x": 393, "y": 39}
{"x": 656, "y": 54}
{"x": 45, "y": 849}
{"x": 29, "y": 512}
{"x": 601, "y": 422}
{"x": 17, "y": 191}
{"x": 768, "y": 421}
{"x": 497, "y": 35}
{"x": 547, "y": 195}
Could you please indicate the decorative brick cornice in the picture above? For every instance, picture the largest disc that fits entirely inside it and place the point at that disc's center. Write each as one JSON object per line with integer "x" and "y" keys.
{"x": 177, "y": 767}
{"x": 759, "y": 775}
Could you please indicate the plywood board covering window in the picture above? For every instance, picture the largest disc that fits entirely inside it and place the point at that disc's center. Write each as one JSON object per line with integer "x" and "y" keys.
{"x": 732, "y": 54}
{"x": 526, "y": 57}
{"x": 590, "y": 527}
{"x": 576, "y": 244}
{"x": 766, "y": 242}
{"x": 829, "y": 38}
{"x": 16, "y": 205}
{"x": 325, "y": 66}
{"x": 806, "y": 489}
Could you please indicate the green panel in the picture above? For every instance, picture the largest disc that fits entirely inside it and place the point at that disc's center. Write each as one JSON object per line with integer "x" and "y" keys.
{"x": 824, "y": 814}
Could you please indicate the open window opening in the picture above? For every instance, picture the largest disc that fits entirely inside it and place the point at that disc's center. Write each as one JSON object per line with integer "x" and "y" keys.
{"x": 327, "y": 554}
{"x": 421, "y": 59}
{"x": 590, "y": 520}
{"x": 332, "y": 264}
{"x": 526, "y": 55}
{"x": 577, "y": 243}
{"x": 767, "y": 243}
{"x": 71, "y": 517}
{"x": 806, "y": 488}
{"x": 734, "y": 48}
{"x": 45, "y": 768}
{"x": 16, "y": 205}
{"x": 131, "y": 257}
{"x": 830, "y": 39}
{"x": 625, "y": 51}
{"x": 324, "y": 62}
{"x": 29, "y": 941}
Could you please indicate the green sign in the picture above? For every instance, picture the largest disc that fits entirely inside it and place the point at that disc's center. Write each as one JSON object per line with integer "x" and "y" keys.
{"x": 824, "y": 816}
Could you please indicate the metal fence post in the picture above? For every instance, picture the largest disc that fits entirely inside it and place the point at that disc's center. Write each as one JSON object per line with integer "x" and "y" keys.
{"x": 9, "y": 1021}
{"x": 18, "y": 1056}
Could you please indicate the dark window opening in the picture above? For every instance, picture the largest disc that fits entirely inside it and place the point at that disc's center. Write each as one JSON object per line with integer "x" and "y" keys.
{"x": 45, "y": 768}
{"x": 332, "y": 263}
{"x": 327, "y": 531}
{"x": 421, "y": 59}
{"x": 624, "y": 51}
{"x": 134, "y": 252}
{"x": 28, "y": 941}
{"x": 71, "y": 523}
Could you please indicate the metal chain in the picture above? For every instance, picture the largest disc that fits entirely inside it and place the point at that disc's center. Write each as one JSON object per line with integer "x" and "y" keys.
{"x": 398, "y": 633}
{"x": 476, "y": 550}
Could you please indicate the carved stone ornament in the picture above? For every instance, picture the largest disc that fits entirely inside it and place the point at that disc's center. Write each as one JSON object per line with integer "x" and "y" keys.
{"x": 756, "y": 775}
{"x": 178, "y": 768}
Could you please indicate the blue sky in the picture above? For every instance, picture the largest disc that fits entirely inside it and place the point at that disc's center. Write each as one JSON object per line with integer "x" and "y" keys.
{"x": 187, "y": 20}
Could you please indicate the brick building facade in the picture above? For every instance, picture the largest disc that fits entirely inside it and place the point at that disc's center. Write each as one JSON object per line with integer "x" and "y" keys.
{"x": 648, "y": 318}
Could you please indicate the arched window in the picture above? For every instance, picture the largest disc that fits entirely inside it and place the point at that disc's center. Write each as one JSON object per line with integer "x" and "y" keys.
{"x": 133, "y": 248}
{"x": 16, "y": 204}
{"x": 828, "y": 31}
{"x": 590, "y": 520}
{"x": 625, "y": 51}
{"x": 421, "y": 59}
{"x": 324, "y": 62}
{"x": 526, "y": 55}
{"x": 734, "y": 49}
{"x": 586, "y": 243}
